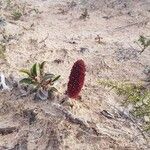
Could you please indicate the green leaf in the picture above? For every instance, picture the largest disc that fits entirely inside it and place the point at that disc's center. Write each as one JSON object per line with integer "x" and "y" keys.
{"x": 42, "y": 64}
{"x": 55, "y": 79}
{"x": 42, "y": 67}
{"x": 53, "y": 89}
{"x": 34, "y": 70}
{"x": 48, "y": 76}
{"x": 27, "y": 81}
{"x": 25, "y": 71}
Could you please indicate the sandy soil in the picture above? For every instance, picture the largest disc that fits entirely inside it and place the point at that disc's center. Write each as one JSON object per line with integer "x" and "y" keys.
{"x": 52, "y": 30}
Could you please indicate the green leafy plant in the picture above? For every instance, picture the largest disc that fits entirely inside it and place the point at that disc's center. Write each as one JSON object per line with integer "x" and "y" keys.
{"x": 41, "y": 82}
{"x": 16, "y": 15}
{"x": 144, "y": 42}
{"x": 135, "y": 94}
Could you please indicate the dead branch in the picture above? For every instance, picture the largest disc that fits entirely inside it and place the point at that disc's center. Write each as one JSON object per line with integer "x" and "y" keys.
{"x": 144, "y": 22}
{"x": 70, "y": 117}
{"x": 7, "y": 130}
{"x": 78, "y": 121}
{"x": 44, "y": 39}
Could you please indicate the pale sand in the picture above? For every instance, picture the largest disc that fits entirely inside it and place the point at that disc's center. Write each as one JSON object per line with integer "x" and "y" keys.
{"x": 55, "y": 31}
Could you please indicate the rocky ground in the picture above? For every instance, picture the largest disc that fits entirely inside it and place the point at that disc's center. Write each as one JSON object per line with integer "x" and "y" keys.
{"x": 103, "y": 34}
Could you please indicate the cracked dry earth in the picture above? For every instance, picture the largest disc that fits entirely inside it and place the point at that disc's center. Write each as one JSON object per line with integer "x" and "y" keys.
{"x": 102, "y": 33}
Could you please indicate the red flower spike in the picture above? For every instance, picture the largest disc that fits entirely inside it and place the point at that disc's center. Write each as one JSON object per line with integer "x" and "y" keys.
{"x": 76, "y": 79}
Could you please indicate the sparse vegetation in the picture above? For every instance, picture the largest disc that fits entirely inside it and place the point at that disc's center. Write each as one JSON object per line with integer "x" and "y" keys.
{"x": 2, "y": 51}
{"x": 135, "y": 94}
{"x": 8, "y": 2}
{"x": 144, "y": 43}
{"x": 84, "y": 15}
{"x": 41, "y": 82}
{"x": 16, "y": 15}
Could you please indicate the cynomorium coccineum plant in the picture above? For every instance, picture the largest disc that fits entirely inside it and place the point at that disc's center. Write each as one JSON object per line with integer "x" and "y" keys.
{"x": 76, "y": 79}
